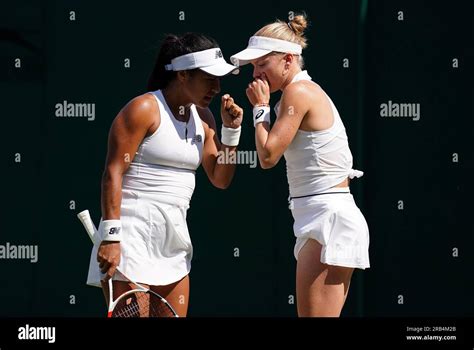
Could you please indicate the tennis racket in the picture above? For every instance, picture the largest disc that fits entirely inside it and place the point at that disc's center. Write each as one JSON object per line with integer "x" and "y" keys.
{"x": 140, "y": 301}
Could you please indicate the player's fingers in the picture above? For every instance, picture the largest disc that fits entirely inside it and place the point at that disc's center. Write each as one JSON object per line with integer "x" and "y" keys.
{"x": 250, "y": 92}
{"x": 234, "y": 110}
{"x": 224, "y": 99}
{"x": 260, "y": 83}
{"x": 105, "y": 267}
{"x": 229, "y": 102}
{"x": 110, "y": 272}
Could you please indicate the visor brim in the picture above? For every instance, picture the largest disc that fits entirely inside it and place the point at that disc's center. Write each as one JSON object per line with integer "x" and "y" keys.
{"x": 246, "y": 56}
{"x": 220, "y": 70}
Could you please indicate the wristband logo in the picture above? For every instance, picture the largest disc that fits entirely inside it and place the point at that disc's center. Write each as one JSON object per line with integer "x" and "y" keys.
{"x": 114, "y": 231}
{"x": 259, "y": 114}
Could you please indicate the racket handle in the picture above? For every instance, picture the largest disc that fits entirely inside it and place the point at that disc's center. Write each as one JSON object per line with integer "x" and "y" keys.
{"x": 86, "y": 221}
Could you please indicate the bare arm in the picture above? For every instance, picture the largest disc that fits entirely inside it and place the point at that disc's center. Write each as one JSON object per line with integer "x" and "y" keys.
{"x": 271, "y": 144}
{"x": 127, "y": 132}
{"x": 129, "y": 128}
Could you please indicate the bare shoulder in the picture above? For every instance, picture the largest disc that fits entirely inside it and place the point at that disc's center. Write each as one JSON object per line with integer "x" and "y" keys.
{"x": 142, "y": 104}
{"x": 141, "y": 111}
{"x": 207, "y": 117}
{"x": 302, "y": 90}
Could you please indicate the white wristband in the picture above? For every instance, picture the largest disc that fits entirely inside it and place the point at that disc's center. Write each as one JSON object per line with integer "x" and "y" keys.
{"x": 230, "y": 136}
{"x": 112, "y": 230}
{"x": 261, "y": 114}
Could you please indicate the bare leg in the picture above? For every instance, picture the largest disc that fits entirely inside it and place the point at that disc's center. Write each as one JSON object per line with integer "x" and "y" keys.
{"x": 321, "y": 289}
{"x": 177, "y": 294}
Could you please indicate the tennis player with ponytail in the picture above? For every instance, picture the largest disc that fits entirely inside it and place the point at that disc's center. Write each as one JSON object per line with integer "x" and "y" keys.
{"x": 332, "y": 237}
{"x": 155, "y": 145}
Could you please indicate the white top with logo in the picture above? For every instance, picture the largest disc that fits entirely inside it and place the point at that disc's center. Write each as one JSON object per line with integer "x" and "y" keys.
{"x": 165, "y": 161}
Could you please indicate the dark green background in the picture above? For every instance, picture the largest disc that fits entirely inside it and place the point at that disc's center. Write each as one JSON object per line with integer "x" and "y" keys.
{"x": 406, "y": 61}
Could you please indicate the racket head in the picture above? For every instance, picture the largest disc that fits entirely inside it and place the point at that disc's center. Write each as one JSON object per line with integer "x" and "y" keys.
{"x": 140, "y": 303}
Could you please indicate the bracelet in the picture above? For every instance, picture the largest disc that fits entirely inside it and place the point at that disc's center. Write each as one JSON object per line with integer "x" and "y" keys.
{"x": 112, "y": 230}
{"x": 261, "y": 114}
{"x": 230, "y": 136}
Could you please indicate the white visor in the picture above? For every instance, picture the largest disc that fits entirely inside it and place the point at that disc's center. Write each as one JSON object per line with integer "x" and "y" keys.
{"x": 260, "y": 46}
{"x": 210, "y": 61}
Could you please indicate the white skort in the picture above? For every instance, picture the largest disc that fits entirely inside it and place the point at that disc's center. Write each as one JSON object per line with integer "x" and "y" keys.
{"x": 335, "y": 221}
{"x": 156, "y": 247}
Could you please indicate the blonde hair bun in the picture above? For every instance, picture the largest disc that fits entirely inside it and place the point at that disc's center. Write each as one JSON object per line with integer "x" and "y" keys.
{"x": 299, "y": 24}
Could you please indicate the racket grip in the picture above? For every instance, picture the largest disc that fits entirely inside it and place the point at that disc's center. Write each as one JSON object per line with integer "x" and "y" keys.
{"x": 86, "y": 221}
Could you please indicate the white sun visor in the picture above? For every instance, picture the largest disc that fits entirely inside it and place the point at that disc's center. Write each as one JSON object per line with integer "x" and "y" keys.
{"x": 260, "y": 46}
{"x": 210, "y": 61}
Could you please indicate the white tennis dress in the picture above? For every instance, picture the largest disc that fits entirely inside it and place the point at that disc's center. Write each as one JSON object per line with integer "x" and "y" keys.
{"x": 317, "y": 161}
{"x": 156, "y": 191}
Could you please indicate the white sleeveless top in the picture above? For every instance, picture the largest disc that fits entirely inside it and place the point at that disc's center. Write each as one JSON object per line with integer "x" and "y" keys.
{"x": 165, "y": 161}
{"x": 318, "y": 160}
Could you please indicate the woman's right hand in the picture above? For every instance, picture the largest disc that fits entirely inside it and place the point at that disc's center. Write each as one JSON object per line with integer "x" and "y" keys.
{"x": 108, "y": 257}
{"x": 258, "y": 91}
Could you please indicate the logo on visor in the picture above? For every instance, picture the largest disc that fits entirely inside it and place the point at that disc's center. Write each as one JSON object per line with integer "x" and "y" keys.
{"x": 218, "y": 54}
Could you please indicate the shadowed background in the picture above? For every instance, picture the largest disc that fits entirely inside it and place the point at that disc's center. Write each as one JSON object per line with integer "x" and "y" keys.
{"x": 421, "y": 255}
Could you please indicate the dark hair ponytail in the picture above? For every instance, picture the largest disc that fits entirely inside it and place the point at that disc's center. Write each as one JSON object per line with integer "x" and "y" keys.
{"x": 174, "y": 46}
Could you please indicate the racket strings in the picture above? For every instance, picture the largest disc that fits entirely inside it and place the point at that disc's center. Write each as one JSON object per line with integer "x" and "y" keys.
{"x": 142, "y": 304}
